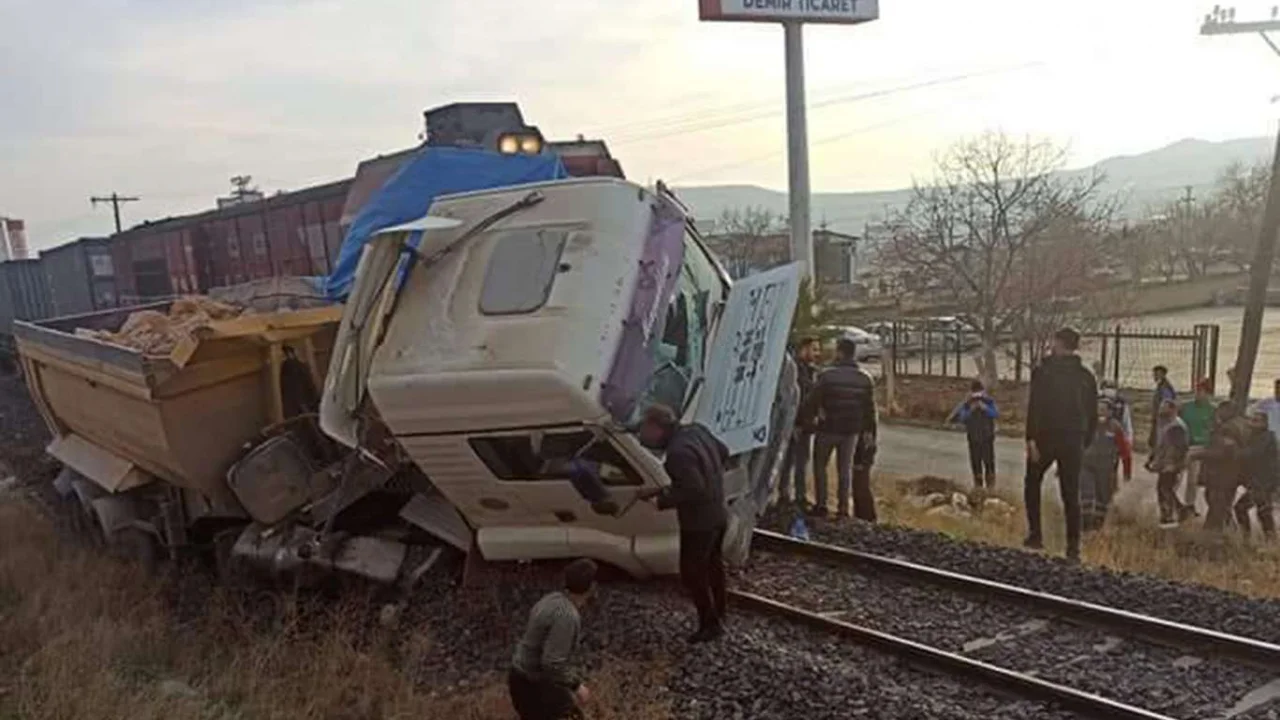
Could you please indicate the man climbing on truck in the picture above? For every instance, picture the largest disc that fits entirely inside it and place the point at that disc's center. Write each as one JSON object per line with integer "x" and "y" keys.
{"x": 695, "y": 464}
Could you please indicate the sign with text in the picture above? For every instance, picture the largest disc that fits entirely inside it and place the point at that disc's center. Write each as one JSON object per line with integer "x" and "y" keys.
{"x": 809, "y": 11}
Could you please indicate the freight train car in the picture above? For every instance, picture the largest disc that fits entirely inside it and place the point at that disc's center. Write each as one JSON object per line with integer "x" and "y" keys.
{"x": 81, "y": 276}
{"x": 287, "y": 234}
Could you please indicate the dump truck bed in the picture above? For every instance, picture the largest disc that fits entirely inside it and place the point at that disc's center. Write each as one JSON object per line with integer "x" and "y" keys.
{"x": 122, "y": 417}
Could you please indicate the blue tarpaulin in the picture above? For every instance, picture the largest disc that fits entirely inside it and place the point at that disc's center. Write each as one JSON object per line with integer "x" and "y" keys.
{"x": 432, "y": 172}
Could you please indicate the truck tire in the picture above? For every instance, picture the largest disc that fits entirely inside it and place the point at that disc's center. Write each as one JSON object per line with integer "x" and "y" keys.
{"x": 139, "y": 546}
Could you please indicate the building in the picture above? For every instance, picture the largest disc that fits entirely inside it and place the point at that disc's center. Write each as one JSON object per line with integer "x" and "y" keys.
{"x": 13, "y": 239}
{"x": 834, "y": 254}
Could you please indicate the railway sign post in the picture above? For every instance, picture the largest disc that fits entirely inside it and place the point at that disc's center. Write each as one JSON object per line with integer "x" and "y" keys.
{"x": 793, "y": 14}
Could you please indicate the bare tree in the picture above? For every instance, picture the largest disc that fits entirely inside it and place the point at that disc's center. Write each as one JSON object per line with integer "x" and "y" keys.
{"x": 1001, "y": 236}
{"x": 738, "y": 231}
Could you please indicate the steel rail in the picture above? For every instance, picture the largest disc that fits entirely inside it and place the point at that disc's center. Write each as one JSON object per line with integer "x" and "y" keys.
{"x": 1026, "y": 686}
{"x": 1151, "y": 629}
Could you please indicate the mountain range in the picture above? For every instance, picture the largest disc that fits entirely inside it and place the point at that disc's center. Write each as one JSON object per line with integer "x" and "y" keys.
{"x": 1141, "y": 182}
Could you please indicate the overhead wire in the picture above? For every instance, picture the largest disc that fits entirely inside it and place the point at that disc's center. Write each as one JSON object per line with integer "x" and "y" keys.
{"x": 696, "y": 124}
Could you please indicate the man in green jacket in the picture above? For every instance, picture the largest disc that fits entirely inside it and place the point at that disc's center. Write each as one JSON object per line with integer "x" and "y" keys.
{"x": 1197, "y": 415}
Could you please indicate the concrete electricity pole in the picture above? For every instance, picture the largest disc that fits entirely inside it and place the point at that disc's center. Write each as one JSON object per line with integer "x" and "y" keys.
{"x": 1223, "y": 22}
{"x": 115, "y": 201}
{"x": 797, "y": 149}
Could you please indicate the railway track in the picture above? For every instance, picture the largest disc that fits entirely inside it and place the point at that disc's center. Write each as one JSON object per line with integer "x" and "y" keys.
{"x": 1090, "y": 659}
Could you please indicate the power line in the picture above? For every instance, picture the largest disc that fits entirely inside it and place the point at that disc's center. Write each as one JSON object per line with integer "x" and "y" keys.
{"x": 699, "y": 124}
{"x": 115, "y": 199}
{"x": 663, "y": 122}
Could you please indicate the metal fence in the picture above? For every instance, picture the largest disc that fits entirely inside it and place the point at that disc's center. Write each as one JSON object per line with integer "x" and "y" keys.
{"x": 1124, "y": 355}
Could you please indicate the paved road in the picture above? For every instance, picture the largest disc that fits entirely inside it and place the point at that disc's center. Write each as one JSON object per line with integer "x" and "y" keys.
{"x": 913, "y": 451}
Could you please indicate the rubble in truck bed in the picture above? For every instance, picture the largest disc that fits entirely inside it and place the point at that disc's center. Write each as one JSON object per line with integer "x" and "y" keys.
{"x": 154, "y": 332}
{"x": 158, "y": 333}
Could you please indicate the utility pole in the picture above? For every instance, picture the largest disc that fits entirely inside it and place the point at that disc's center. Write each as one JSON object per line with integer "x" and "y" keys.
{"x": 115, "y": 201}
{"x": 797, "y": 148}
{"x": 1223, "y": 22}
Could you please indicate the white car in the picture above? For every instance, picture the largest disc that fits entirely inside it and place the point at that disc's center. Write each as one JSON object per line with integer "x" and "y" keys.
{"x": 870, "y": 346}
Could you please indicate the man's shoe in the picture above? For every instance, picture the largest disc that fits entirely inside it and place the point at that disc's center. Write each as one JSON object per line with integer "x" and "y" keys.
{"x": 707, "y": 634}
{"x": 1033, "y": 543}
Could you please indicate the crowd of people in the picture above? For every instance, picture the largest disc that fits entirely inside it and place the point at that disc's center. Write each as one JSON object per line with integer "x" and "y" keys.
{"x": 1083, "y": 428}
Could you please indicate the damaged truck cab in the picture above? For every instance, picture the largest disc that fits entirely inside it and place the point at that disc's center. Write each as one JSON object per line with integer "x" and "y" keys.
{"x": 515, "y": 331}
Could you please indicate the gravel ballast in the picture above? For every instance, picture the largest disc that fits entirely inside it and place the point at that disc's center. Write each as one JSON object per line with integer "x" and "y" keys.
{"x": 1155, "y": 678}
{"x": 1180, "y": 602}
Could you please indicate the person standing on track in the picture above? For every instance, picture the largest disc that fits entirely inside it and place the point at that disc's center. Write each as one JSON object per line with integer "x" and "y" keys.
{"x": 695, "y": 461}
{"x": 978, "y": 414}
{"x": 844, "y": 401}
{"x": 544, "y": 683}
{"x": 800, "y": 450}
{"x": 1062, "y": 417}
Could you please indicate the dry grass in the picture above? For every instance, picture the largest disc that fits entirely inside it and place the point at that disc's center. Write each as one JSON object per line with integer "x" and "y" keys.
{"x": 85, "y": 637}
{"x": 1127, "y": 542}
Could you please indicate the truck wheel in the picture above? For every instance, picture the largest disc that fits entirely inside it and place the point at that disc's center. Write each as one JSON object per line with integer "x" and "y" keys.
{"x": 230, "y": 569}
{"x": 139, "y": 546}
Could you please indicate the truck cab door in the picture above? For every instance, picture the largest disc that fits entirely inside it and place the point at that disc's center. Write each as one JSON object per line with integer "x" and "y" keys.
{"x": 744, "y": 401}
{"x": 368, "y": 306}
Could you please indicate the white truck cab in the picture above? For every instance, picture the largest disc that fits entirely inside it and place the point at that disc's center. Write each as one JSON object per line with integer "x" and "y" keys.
{"x": 529, "y": 326}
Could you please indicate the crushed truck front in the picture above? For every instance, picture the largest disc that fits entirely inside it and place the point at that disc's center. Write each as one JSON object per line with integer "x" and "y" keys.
{"x": 509, "y": 351}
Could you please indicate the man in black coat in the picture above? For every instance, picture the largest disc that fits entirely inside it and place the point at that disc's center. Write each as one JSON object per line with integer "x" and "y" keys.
{"x": 695, "y": 461}
{"x": 800, "y": 450}
{"x": 1062, "y": 418}
{"x": 843, "y": 400}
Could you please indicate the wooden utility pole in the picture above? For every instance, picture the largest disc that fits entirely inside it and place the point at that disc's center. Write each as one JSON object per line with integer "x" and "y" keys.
{"x": 115, "y": 200}
{"x": 1223, "y": 22}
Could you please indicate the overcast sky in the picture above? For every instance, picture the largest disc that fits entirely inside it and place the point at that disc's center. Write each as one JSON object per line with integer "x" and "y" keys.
{"x": 167, "y": 99}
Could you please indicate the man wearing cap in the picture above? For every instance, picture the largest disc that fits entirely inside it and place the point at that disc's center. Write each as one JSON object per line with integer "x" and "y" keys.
{"x": 1197, "y": 414}
{"x": 1062, "y": 418}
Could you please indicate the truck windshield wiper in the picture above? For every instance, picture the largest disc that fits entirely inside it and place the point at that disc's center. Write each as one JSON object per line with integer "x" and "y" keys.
{"x": 480, "y": 226}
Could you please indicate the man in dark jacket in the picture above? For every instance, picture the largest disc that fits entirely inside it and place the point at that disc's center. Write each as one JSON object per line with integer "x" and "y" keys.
{"x": 1261, "y": 475}
{"x": 800, "y": 450}
{"x": 1062, "y": 418}
{"x": 843, "y": 400}
{"x": 694, "y": 463}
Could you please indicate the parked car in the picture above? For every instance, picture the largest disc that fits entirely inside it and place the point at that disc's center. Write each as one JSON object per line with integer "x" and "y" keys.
{"x": 870, "y": 346}
{"x": 951, "y": 333}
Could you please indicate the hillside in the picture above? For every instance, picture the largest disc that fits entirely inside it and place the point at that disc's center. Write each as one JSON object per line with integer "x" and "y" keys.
{"x": 1141, "y": 181}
